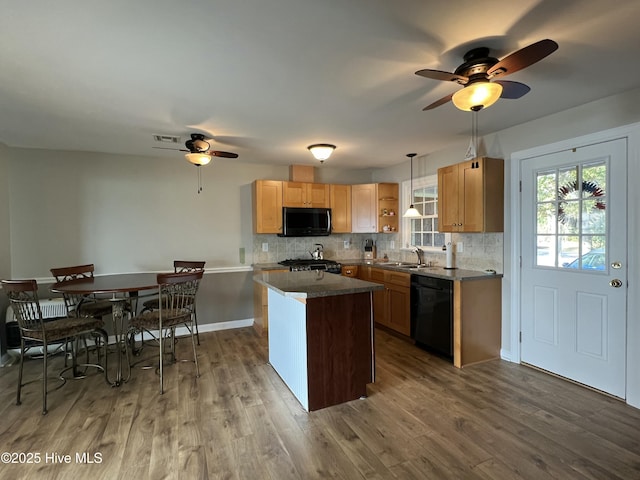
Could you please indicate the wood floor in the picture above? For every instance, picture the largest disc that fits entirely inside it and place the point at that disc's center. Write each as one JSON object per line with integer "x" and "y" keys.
{"x": 423, "y": 419}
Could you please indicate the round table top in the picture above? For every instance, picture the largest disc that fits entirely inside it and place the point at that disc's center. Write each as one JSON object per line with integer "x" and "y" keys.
{"x": 117, "y": 283}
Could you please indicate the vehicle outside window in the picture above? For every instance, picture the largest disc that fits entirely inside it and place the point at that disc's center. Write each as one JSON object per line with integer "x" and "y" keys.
{"x": 593, "y": 260}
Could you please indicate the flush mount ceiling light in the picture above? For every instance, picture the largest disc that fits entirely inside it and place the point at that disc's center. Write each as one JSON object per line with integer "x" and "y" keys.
{"x": 321, "y": 151}
{"x": 411, "y": 211}
{"x": 476, "y": 96}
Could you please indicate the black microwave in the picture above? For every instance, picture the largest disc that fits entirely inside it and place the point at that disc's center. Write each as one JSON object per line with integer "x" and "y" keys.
{"x": 305, "y": 222}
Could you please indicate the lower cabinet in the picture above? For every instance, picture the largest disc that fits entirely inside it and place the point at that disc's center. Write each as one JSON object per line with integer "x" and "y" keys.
{"x": 261, "y": 305}
{"x": 392, "y": 306}
{"x": 349, "y": 271}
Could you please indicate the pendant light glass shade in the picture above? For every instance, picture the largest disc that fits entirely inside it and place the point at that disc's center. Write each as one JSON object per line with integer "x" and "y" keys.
{"x": 411, "y": 211}
{"x": 198, "y": 158}
{"x": 477, "y": 95}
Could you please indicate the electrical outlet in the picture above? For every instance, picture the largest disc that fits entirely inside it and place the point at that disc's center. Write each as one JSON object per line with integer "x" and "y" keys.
{"x": 392, "y": 244}
{"x": 265, "y": 247}
{"x": 347, "y": 244}
{"x": 459, "y": 247}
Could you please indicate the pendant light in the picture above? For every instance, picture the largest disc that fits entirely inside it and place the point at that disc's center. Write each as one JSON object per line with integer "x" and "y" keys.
{"x": 411, "y": 211}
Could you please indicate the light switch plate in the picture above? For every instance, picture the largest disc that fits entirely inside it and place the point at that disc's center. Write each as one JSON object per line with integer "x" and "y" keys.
{"x": 265, "y": 247}
{"x": 347, "y": 244}
{"x": 392, "y": 244}
{"x": 459, "y": 247}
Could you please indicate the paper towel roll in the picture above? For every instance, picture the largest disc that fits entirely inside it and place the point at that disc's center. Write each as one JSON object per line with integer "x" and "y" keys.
{"x": 449, "y": 253}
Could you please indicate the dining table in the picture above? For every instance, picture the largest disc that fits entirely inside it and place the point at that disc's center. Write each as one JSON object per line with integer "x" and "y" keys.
{"x": 121, "y": 289}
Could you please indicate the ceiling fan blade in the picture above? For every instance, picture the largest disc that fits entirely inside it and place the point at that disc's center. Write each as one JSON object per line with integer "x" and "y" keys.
{"x": 444, "y": 76}
{"x": 437, "y": 103}
{"x": 523, "y": 58}
{"x": 217, "y": 153}
{"x": 513, "y": 90}
{"x": 174, "y": 149}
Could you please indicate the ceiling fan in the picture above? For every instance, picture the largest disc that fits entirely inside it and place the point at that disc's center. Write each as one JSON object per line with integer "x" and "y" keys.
{"x": 199, "y": 153}
{"x": 199, "y": 150}
{"x": 478, "y": 71}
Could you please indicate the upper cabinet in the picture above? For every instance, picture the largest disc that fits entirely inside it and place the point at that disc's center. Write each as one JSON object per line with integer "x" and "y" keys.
{"x": 374, "y": 208}
{"x": 471, "y": 196}
{"x": 267, "y": 206}
{"x": 340, "y": 208}
{"x": 388, "y": 203}
{"x": 364, "y": 216}
{"x": 302, "y": 194}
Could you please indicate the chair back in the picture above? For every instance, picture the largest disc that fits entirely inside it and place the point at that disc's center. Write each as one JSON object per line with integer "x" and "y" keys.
{"x": 77, "y": 273}
{"x": 181, "y": 266}
{"x": 180, "y": 290}
{"x": 23, "y": 296}
{"x": 65, "y": 274}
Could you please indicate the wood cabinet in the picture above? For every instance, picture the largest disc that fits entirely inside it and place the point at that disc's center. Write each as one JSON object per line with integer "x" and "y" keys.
{"x": 477, "y": 321}
{"x": 261, "y": 305}
{"x": 267, "y": 206}
{"x": 302, "y": 194}
{"x": 349, "y": 271}
{"x": 371, "y": 207}
{"x": 471, "y": 196}
{"x": 387, "y": 208}
{"x": 363, "y": 208}
{"x": 340, "y": 204}
{"x": 392, "y": 306}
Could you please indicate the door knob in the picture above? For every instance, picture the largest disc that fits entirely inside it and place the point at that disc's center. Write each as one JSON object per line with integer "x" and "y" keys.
{"x": 615, "y": 283}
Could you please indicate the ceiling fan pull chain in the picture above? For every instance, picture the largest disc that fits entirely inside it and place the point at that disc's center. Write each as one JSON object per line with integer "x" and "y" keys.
{"x": 199, "y": 179}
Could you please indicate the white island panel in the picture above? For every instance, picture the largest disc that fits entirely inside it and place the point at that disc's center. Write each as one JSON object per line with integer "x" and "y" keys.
{"x": 288, "y": 343}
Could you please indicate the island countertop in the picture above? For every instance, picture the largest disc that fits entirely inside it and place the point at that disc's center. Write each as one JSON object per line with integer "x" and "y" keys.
{"x": 314, "y": 283}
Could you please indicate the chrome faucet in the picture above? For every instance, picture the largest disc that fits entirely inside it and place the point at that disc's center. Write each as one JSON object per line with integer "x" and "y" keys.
{"x": 420, "y": 254}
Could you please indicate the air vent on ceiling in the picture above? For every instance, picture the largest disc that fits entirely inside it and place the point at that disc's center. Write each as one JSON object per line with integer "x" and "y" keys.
{"x": 166, "y": 138}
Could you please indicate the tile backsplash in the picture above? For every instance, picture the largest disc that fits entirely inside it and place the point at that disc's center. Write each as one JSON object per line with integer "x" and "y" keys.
{"x": 481, "y": 250}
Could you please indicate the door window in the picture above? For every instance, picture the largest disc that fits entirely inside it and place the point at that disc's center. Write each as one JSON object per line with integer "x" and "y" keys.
{"x": 571, "y": 216}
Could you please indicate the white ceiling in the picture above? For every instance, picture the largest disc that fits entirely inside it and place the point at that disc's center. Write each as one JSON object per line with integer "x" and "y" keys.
{"x": 266, "y": 78}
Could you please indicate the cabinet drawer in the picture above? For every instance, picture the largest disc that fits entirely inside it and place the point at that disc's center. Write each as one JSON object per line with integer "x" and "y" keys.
{"x": 397, "y": 278}
{"x": 377, "y": 275}
{"x": 349, "y": 271}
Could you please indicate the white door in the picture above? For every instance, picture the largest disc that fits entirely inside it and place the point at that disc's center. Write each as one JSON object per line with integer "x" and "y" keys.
{"x": 574, "y": 264}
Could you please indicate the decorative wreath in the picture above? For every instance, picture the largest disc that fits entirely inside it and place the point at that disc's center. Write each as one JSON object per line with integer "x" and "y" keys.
{"x": 587, "y": 186}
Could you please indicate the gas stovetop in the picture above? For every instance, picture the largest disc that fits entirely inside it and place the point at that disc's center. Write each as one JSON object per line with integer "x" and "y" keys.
{"x": 300, "y": 264}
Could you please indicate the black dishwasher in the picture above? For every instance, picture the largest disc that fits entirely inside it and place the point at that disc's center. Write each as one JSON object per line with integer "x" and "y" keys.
{"x": 432, "y": 314}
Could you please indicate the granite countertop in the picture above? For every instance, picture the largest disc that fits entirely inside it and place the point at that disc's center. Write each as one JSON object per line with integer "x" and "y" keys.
{"x": 312, "y": 284}
{"x": 458, "y": 274}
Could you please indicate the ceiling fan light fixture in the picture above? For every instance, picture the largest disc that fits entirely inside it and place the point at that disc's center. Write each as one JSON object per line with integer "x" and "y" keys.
{"x": 198, "y": 159}
{"x": 321, "y": 151}
{"x": 476, "y": 96}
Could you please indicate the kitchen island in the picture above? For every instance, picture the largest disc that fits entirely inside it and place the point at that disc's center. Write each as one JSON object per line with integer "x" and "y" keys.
{"x": 321, "y": 336}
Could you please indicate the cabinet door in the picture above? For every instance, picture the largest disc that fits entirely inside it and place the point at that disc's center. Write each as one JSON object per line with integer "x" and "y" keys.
{"x": 471, "y": 198}
{"x": 294, "y": 194}
{"x": 340, "y": 208}
{"x": 379, "y": 297}
{"x": 398, "y": 308}
{"x": 448, "y": 192}
{"x": 301, "y": 194}
{"x": 267, "y": 206}
{"x": 364, "y": 214}
{"x": 318, "y": 195}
